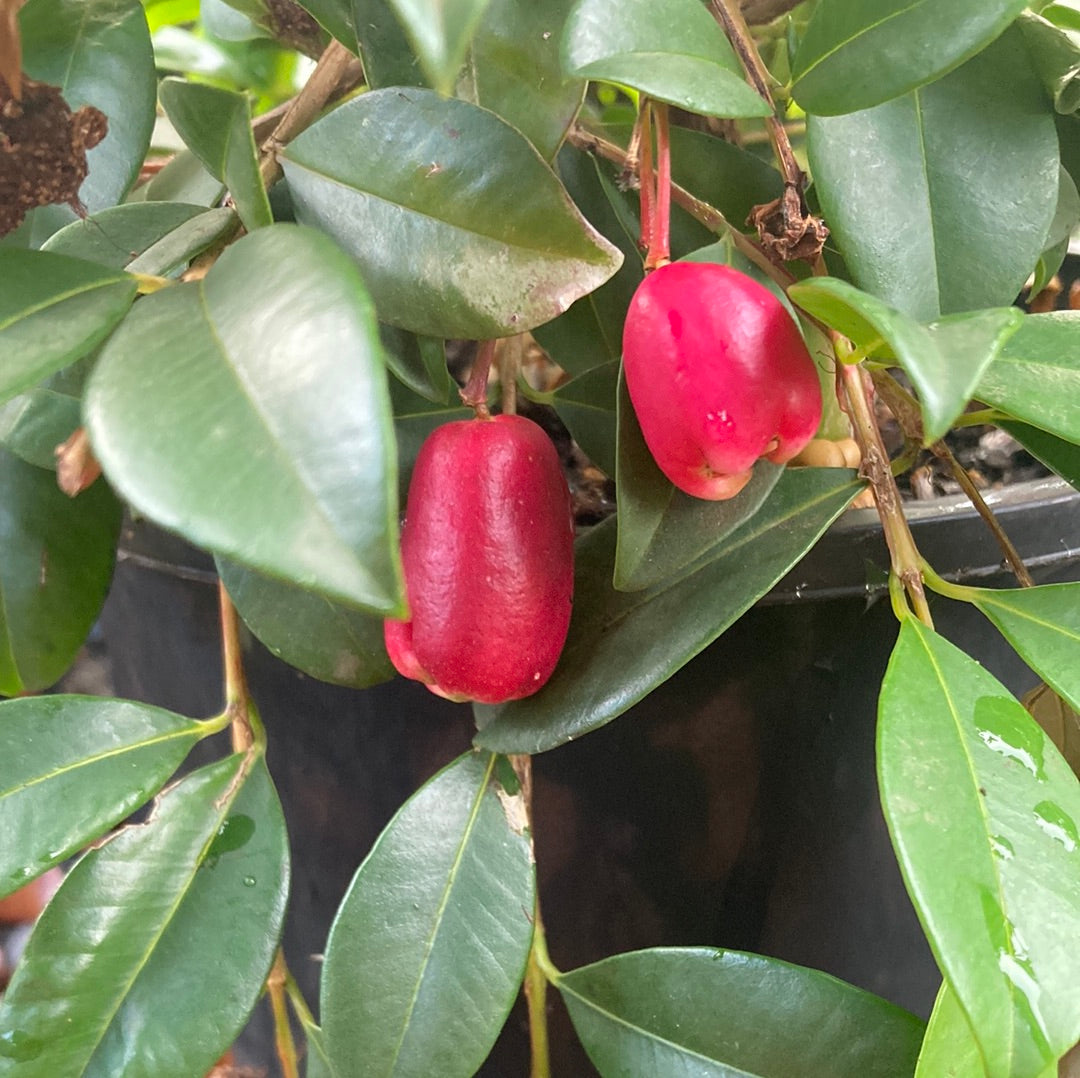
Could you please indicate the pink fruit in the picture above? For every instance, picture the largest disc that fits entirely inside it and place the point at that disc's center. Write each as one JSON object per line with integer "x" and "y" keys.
{"x": 719, "y": 376}
{"x": 28, "y": 901}
{"x": 488, "y": 550}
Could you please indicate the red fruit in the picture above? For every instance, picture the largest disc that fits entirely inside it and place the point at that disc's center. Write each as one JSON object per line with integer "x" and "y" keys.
{"x": 27, "y": 902}
{"x": 488, "y": 549}
{"x": 719, "y": 376}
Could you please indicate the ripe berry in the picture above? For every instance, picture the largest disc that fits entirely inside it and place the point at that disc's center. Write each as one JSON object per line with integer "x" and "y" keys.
{"x": 488, "y": 551}
{"x": 719, "y": 376}
{"x": 28, "y": 901}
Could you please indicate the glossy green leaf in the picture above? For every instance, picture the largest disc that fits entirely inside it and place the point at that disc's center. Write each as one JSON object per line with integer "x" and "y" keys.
{"x": 661, "y": 529}
{"x": 318, "y": 1062}
{"x": 459, "y": 227}
{"x": 117, "y": 235}
{"x": 621, "y": 645}
{"x": 586, "y": 405}
{"x": 960, "y": 174}
{"x": 982, "y": 811}
{"x": 34, "y": 423}
{"x": 216, "y": 126}
{"x": 440, "y": 32}
{"x": 153, "y": 952}
{"x": 57, "y": 564}
{"x": 53, "y": 309}
{"x": 1055, "y": 54}
{"x": 706, "y": 1013}
{"x": 248, "y": 412}
{"x": 513, "y": 69}
{"x": 944, "y": 360}
{"x": 672, "y": 50}
{"x": 98, "y": 52}
{"x": 74, "y": 766}
{"x": 590, "y": 332}
{"x": 1043, "y": 625}
{"x": 325, "y": 639}
{"x": 1056, "y": 244}
{"x": 385, "y": 50}
{"x": 1037, "y": 376}
{"x": 949, "y": 1050}
{"x": 420, "y": 362}
{"x": 183, "y": 179}
{"x": 855, "y": 54}
{"x": 1059, "y": 456}
{"x": 426, "y": 955}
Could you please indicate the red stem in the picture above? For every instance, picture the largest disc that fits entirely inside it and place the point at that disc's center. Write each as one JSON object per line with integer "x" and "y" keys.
{"x": 660, "y": 239}
{"x": 475, "y": 392}
{"x": 646, "y": 179}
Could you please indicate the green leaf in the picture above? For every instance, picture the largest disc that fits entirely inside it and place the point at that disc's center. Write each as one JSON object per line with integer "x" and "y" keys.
{"x": 698, "y": 1012}
{"x": 57, "y": 564}
{"x": 982, "y": 809}
{"x": 248, "y": 412}
{"x": 949, "y": 1050}
{"x": 855, "y": 54}
{"x": 327, "y": 640}
{"x": 514, "y": 70}
{"x": 672, "y": 50}
{"x": 911, "y": 201}
{"x": 586, "y": 405}
{"x": 53, "y": 309}
{"x": 115, "y": 236}
{"x": 74, "y": 767}
{"x": 440, "y": 32}
{"x": 98, "y": 52}
{"x": 1037, "y": 376}
{"x": 194, "y": 897}
{"x": 414, "y": 419}
{"x": 661, "y": 529}
{"x": 216, "y": 126}
{"x": 589, "y": 333}
{"x": 459, "y": 227}
{"x": 318, "y": 1062}
{"x": 944, "y": 360}
{"x": 428, "y": 949}
{"x": 33, "y": 424}
{"x": 621, "y": 645}
{"x": 336, "y": 18}
{"x": 1059, "y": 456}
{"x": 419, "y": 362}
{"x": 1043, "y": 625}
{"x": 183, "y": 179}
{"x": 1055, "y": 54}
{"x": 1056, "y": 244}
{"x": 384, "y": 49}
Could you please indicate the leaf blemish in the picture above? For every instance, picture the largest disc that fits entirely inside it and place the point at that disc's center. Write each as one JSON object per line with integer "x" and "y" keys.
{"x": 513, "y": 806}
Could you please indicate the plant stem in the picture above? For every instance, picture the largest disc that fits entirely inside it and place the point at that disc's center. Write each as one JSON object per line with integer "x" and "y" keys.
{"x": 731, "y": 19}
{"x": 906, "y": 409}
{"x": 906, "y": 562}
{"x": 536, "y": 978}
{"x": 307, "y": 104}
{"x": 646, "y": 179}
{"x": 237, "y": 699}
{"x": 283, "y": 1036}
{"x": 475, "y": 392}
{"x": 659, "y": 253}
{"x": 702, "y": 212}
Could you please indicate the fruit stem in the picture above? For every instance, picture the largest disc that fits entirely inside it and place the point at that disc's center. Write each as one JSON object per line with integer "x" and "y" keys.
{"x": 284, "y": 1044}
{"x": 474, "y": 395}
{"x": 238, "y": 706}
{"x": 702, "y": 212}
{"x": 906, "y": 561}
{"x": 646, "y": 179}
{"x": 509, "y": 365}
{"x": 906, "y": 409}
{"x": 659, "y": 253}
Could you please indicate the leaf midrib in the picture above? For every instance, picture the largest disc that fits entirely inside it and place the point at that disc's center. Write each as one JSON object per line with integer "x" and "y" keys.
{"x": 455, "y": 867}
{"x": 58, "y": 298}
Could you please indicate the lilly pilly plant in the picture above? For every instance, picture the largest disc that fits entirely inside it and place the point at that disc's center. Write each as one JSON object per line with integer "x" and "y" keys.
{"x": 477, "y": 172}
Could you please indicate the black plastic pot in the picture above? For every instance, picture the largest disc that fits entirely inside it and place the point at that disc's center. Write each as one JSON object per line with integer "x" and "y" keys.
{"x": 736, "y": 806}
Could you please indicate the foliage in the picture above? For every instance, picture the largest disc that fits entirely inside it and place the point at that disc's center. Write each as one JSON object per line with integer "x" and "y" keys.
{"x": 252, "y": 332}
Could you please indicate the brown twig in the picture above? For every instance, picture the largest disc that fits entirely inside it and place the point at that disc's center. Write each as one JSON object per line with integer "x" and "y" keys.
{"x": 284, "y": 1044}
{"x": 474, "y": 395}
{"x": 305, "y": 107}
{"x": 237, "y": 698}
